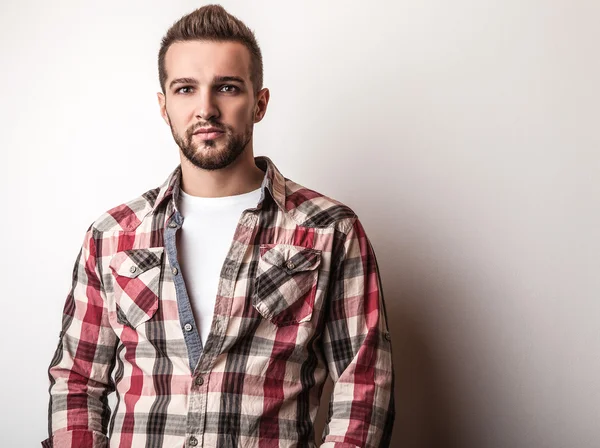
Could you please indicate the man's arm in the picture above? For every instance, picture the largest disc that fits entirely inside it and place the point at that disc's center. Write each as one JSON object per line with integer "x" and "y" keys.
{"x": 357, "y": 349}
{"x": 78, "y": 412}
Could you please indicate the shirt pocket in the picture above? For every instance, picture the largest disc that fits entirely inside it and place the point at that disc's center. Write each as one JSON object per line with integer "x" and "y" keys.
{"x": 286, "y": 283}
{"x": 136, "y": 274}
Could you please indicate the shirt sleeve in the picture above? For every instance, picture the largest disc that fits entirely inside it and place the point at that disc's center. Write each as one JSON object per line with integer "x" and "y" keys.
{"x": 80, "y": 371}
{"x": 357, "y": 348}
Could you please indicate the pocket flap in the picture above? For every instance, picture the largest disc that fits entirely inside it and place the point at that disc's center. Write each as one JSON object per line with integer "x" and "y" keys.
{"x": 131, "y": 263}
{"x": 289, "y": 257}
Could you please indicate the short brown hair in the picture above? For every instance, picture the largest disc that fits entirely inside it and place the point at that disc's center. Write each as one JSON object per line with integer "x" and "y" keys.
{"x": 212, "y": 23}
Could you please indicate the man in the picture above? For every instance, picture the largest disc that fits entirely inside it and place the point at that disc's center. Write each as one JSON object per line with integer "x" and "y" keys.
{"x": 216, "y": 304}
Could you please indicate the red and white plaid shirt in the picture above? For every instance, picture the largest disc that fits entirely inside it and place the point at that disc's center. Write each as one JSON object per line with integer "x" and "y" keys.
{"x": 299, "y": 298}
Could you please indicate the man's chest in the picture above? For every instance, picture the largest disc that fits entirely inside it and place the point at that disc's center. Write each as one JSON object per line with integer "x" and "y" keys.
{"x": 271, "y": 289}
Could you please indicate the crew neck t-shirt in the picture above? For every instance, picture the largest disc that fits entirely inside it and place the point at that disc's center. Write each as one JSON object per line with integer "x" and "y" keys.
{"x": 206, "y": 236}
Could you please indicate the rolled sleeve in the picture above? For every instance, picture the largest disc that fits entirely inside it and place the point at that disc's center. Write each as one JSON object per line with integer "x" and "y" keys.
{"x": 68, "y": 439}
{"x": 358, "y": 350}
{"x": 80, "y": 370}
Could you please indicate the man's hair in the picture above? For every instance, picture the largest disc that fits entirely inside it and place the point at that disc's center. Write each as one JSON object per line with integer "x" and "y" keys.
{"x": 212, "y": 23}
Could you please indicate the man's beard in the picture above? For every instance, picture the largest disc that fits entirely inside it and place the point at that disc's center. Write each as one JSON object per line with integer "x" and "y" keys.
{"x": 206, "y": 154}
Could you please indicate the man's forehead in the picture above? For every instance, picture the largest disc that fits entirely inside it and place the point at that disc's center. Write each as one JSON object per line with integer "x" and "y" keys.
{"x": 207, "y": 58}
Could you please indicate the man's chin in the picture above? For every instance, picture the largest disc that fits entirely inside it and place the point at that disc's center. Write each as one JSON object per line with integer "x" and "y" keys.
{"x": 208, "y": 159}
{"x": 207, "y": 145}
{"x": 211, "y": 147}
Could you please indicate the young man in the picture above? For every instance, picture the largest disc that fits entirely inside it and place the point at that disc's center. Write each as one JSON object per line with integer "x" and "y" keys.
{"x": 217, "y": 303}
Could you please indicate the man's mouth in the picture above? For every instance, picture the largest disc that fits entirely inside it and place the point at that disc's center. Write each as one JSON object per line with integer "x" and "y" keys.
{"x": 210, "y": 133}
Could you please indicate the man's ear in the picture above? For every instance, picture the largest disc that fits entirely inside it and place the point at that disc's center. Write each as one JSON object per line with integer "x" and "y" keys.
{"x": 162, "y": 103}
{"x": 260, "y": 108}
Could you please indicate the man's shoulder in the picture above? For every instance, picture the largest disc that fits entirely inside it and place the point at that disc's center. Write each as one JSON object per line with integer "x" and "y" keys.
{"x": 128, "y": 215}
{"x": 311, "y": 208}
{"x": 307, "y": 207}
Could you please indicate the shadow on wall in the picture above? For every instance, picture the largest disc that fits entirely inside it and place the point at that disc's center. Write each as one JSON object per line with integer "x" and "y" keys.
{"x": 424, "y": 411}
{"x": 426, "y": 417}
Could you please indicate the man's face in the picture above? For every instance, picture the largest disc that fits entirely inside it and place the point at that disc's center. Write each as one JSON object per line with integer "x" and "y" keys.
{"x": 209, "y": 101}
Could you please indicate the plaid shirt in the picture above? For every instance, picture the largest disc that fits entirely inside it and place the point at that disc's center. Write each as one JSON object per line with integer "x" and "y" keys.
{"x": 299, "y": 298}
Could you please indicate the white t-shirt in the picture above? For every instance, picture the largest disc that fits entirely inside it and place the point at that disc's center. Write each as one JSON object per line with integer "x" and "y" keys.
{"x": 206, "y": 236}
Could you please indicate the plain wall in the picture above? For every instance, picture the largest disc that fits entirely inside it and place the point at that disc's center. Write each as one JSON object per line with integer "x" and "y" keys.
{"x": 464, "y": 134}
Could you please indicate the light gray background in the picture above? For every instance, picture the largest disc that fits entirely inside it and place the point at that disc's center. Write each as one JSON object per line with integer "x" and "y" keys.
{"x": 465, "y": 135}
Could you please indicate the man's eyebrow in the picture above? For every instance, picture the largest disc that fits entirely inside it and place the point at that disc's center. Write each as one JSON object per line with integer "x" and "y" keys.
{"x": 183, "y": 81}
{"x": 229, "y": 79}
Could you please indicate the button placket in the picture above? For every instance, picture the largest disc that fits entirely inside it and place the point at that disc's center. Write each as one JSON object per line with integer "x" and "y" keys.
{"x": 191, "y": 337}
{"x": 198, "y": 398}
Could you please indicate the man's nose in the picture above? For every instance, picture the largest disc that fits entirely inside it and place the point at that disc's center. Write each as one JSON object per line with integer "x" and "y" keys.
{"x": 206, "y": 107}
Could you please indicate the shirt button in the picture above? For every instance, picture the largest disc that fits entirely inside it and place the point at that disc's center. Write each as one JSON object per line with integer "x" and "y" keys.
{"x": 199, "y": 381}
{"x": 388, "y": 336}
{"x": 187, "y": 327}
{"x": 174, "y": 270}
{"x": 193, "y": 441}
{"x": 132, "y": 269}
{"x": 290, "y": 265}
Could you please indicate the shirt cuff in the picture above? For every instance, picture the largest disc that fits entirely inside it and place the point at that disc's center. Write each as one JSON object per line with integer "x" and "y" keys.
{"x": 77, "y": 438}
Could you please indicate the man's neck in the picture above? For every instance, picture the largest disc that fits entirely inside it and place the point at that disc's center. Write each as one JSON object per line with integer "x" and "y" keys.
{"x": 242, "y": 176}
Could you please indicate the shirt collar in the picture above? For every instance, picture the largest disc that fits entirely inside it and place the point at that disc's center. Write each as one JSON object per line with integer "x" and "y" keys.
{"x": 273, "y": 182}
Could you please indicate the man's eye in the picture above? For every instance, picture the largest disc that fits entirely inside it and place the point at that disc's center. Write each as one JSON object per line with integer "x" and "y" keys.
{"x": 180, "y": 90}
{"x": 228, "y": 89}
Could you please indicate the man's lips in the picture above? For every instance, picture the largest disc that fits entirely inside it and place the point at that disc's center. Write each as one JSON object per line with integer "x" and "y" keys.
{"x": 208, "y": 133}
